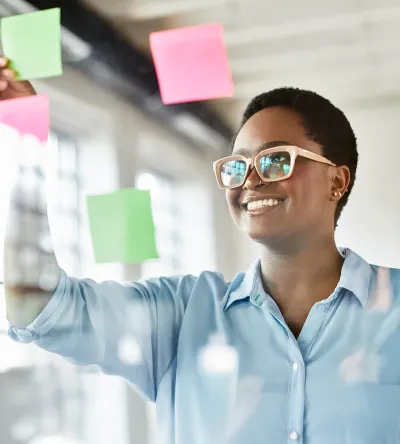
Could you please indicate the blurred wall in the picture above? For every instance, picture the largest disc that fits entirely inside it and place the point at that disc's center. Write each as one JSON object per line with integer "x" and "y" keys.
{"x": 371, "y": 221}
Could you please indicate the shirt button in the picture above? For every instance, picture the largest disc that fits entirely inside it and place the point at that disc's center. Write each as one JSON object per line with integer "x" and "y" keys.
{"x": 322, "y": 308}
{"x": 294, "y": 435}
{"x": 295, "y": 366}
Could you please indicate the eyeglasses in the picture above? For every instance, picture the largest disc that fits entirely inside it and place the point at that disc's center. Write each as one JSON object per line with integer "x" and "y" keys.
{"x": 272, "y": 164}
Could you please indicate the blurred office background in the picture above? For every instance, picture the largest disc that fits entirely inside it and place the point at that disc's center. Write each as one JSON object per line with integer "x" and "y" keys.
{"x": 110, "y": 130}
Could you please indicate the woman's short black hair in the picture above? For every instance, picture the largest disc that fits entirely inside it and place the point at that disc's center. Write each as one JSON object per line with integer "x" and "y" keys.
{"x": 323, "y": 123}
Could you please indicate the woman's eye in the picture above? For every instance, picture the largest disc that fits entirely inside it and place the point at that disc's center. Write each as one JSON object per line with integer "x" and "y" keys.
{"x": 277, "y": 158}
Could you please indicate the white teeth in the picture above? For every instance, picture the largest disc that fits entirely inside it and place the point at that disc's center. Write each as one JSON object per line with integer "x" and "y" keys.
{"x": 255, "y": 205}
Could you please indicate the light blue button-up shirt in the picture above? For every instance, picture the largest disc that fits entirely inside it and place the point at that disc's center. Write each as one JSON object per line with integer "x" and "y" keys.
{"x": 338, "y": 383}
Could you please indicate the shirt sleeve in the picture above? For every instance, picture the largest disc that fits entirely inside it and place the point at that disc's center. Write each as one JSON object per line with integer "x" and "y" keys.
{"x": 86, "y": 322}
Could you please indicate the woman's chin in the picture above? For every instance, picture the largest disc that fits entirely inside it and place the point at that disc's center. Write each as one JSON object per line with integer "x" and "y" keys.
{"x": 263, "y": 235}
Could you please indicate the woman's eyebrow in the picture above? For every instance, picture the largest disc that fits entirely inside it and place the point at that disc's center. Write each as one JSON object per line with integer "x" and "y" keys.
{"x": 264, "y": 146}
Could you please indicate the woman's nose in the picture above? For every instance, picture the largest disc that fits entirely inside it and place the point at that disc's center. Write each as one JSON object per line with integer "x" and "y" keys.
{"x": 253, "y": 180}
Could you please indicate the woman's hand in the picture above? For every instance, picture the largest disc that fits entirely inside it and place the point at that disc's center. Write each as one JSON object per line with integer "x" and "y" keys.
{"x": 9, "y": 89}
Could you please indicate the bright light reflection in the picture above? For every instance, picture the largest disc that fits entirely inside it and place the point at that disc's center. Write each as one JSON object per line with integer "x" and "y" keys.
{"x": 129, "y": 351}
{"x": 55, "y": 439}
{"x": 218, "y": 357}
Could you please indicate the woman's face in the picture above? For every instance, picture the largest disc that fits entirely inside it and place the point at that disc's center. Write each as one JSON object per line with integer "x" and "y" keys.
{"x": 307, "y": 205}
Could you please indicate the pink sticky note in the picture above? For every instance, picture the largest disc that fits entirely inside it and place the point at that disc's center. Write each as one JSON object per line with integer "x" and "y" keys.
{"x": 191, "y": 64}
{"x": 28, "y": 115}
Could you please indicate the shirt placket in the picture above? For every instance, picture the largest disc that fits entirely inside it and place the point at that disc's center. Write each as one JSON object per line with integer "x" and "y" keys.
{"x": 297, "y": 351}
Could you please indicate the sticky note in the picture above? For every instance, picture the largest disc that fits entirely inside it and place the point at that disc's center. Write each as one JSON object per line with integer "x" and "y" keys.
{"x": 191, "y": 64}
{"x": 28, "y": 115}
{"x": 121, "y": 226}
{"x": 32, "y": 43}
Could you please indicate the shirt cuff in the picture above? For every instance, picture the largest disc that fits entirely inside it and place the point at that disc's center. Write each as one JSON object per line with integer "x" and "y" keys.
{"x": 47, "y": 318}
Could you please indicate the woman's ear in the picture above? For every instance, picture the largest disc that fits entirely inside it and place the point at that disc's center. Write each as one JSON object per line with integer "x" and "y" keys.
{"x": 340, "y": 180}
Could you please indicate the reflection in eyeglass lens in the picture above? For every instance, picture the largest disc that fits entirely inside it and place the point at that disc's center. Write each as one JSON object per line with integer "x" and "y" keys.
{"x": 232, "y": 172}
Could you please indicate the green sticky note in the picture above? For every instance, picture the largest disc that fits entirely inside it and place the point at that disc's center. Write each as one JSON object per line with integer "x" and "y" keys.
{"x": 32, "y": 43}
{"x": 121, "y": 226}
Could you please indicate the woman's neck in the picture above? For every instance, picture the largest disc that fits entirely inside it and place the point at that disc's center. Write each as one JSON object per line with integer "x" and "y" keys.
{"x": 298, "y": 279}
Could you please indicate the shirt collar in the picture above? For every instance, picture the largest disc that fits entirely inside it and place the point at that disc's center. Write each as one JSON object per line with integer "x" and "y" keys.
{"x": 355, "y": 277}
{"x": 244, "y": 286}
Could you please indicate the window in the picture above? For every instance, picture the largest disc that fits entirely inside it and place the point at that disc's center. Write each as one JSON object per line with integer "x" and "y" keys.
{"x": 167, "y": 221}
{"x": 183, "y": 228}
{"x": 62, "y": 170}
{"x": 41, "y": 393}
{"x": 64, "y": 211}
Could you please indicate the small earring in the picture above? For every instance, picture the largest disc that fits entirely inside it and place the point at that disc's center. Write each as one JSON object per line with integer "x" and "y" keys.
{"x": 340, "y": 194}
{"x": 335, "y": 193}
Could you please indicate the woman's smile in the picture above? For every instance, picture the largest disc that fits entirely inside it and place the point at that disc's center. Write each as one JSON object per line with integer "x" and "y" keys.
{"x": 262, "y": 206}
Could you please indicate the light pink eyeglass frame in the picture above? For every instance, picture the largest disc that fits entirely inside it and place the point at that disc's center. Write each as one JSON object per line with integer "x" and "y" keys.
{"x": 254, "y": 162}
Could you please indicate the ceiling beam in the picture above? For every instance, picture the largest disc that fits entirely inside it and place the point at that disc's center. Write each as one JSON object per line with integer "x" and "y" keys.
{"x": 336, "y": 23}
{"x": 386, "y": 94}
{"x": 342, "y": 82}
{"x": 304, "y": 59}
{"x": 150, "y": 10}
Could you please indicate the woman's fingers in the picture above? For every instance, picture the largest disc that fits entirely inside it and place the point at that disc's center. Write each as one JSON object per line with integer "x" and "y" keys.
{"x": 3, "y": 85}
{"x": 9, "y": 87}
{"x": 3, "y": 62}
{"x": 6, "y": 74}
